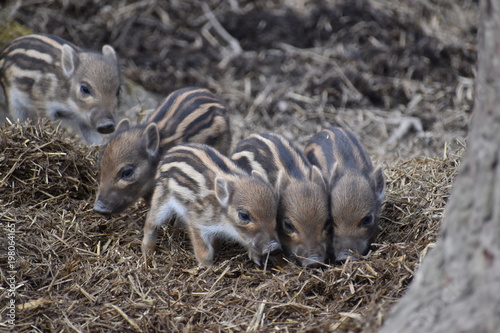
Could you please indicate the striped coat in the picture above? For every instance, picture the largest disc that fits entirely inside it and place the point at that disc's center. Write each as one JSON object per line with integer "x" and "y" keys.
{"x": 356, "y": 189}
{"x": 215, "y": 199}
{"x": 46, "y": 76}
{"x": 303, "y": 221}
{"x": 130, "y": 158}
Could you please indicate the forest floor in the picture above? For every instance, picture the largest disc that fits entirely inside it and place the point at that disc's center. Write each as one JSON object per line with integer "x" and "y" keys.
{"x": 399, "y": 74}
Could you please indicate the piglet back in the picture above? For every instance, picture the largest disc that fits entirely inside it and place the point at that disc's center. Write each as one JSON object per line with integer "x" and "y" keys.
{"x": 270, "y": 153}
{"x": 192, "y": 115}
{"x": 337, "y": 145}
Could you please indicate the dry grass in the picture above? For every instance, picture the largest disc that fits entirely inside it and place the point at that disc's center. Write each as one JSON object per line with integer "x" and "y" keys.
{"x": 77, "y": 271}
{"x": 398, "y": 73}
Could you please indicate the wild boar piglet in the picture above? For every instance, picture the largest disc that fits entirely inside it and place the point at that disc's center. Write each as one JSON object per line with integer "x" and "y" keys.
{"x": 215, "y": 199}
{"x": 130, "y": 159}
{"x": 356, "y": 189}
{"x": 304, "y": 226}
{"x": 44, "y": 76}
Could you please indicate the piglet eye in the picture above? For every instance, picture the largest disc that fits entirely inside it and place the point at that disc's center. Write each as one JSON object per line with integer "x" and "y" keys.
{"x": 85, "y": 89}
{"x": 366, "y": 221}
{"x": 126, "y": 172}
{"x": 244, "y": 217}
{"x": 288, "y": 226}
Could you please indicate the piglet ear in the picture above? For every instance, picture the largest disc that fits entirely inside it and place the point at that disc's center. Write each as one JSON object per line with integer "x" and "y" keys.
{"x": 109, "y": 52}
{"x": 123, "y": 125}
{"x": 68, "y": 60}
{"x": 335, "y": 175}
{"x": 379, "y": 181}
{"x": 152, "y": 140}
{"x": 317, "y": 177}
{"x": 223, "y": 191}
{"x": 282, "y": 181}
{"x": 259, "y": 175}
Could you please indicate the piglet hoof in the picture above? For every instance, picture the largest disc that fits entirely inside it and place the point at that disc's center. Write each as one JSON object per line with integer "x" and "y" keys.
{"x": 205, "y": 263}
{"x": 147, "y": 250}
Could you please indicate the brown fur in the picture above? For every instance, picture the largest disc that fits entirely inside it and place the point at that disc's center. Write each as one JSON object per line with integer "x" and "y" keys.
{"x": 356, "y": 189}
{"x": 215, "y": 199}
{"x": 186, "y": 115}
{"x": 303, "y": 222}
{"x": 45, "y": 76}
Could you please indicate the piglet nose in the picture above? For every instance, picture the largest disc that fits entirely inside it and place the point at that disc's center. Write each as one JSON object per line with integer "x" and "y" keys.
{"x": 106, "y": 126}
{"x": 274, "y": 248}
{"x": 100, "y": 207}
{"x": 313, "y": 261}
{"x": 343, "y": 256}
{"x": 311, "y": 264}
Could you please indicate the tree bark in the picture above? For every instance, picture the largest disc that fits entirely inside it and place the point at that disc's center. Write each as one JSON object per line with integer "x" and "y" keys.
{"x": 457, "y": 288}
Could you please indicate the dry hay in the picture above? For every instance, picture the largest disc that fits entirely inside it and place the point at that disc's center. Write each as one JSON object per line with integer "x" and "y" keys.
{"x": 77, "y": 271}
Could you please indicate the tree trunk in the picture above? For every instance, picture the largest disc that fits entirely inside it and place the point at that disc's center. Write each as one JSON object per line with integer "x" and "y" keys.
{"x": 457, "y": 288}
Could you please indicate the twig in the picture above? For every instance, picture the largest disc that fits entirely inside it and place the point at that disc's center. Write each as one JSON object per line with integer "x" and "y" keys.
{"x": 233, "y": 42}
{"x": 257, "y": 318}
{"x": 126, "y": 317}
{"x": 406, "y": 124}
{"x": 235, "y": 45}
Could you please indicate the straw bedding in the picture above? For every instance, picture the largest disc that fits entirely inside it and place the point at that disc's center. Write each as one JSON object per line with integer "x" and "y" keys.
{"x": 399, "y": 74}
{"x": 80, "y": 271}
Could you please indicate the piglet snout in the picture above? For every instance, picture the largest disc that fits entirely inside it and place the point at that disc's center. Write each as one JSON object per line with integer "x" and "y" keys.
{"x": 106, "y": 126}
{"x": 274, "y": 248}
{"x": 102, "y": 121}
{"x": 312, "y": 261}
{"x": 101, "y": 208}
{"x": 344, "y": 255}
